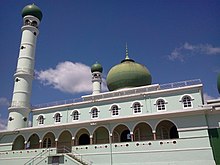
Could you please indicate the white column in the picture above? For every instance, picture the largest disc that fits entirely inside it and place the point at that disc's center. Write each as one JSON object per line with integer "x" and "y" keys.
{"x": 96, "y": 82}
{"x": 20, "y": 106}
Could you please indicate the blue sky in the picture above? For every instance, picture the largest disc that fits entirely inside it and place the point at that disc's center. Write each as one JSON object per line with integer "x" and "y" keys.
{"x": 176, "y": 40}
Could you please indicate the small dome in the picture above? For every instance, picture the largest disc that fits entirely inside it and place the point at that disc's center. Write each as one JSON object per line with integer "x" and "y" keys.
{"x": 218, "y": 83}
{"x": 128, "y": 74}
{"x": 32, "y": 10}
{"x": 96, "y": 67}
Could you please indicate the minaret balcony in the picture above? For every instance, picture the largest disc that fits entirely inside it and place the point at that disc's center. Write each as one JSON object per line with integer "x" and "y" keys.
{"x": 24, "y": 71}
{"x": 19, "y": 104}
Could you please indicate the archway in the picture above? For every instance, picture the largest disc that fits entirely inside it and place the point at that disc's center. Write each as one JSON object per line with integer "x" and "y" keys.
{"x": 174, "y": 133}
{"x": 101, "y": 136}
{"x": 125, "y": 136}
{"x": 142, "y": 132}
{"x": 121, "y": 133}
{"x": 49, "y": 140}
{"x": 33, "y": 142}
{"x": 64, "y": 142}
{"x": 166, "y": 130}
{"x": 82, "y": 137}
{"x": 18, "y": 143}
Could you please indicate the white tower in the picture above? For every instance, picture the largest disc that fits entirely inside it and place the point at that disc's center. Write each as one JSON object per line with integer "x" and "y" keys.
{"x": 20, "y": 106}
{"x": 96, "y": 70}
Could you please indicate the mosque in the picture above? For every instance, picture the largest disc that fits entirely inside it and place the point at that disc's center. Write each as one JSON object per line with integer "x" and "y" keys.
{"x": 135, "y": 122}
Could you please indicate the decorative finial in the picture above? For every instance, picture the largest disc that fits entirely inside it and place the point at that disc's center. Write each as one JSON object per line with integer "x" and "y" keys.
{"x": 126, "y": 52}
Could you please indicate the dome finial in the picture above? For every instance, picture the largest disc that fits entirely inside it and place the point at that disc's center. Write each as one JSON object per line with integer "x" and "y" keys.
{"x": 126, "y": 52}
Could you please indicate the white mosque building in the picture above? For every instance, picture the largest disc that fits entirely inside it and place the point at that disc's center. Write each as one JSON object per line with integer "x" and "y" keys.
{"x": 135, "y": 122}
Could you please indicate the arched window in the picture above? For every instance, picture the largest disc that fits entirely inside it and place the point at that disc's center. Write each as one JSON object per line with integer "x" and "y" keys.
{"x": 187, "y": 101}
{"x": 75, "y": 115}
{"x": 48, "y": 140}
{"x": 33, "y": 141}
{"x": 47, "y": 143}
{"x": 34, "y": 23}
{"x": 115, "y": 110}
{"x": 57, "y": 118}
{"x": 27, "y": 22}
{"x": 41, "y": 120}
{"x": 18, "y": 143}
{"x": 166, "y": 130}
{"x": 136, "y": 107}
{"x": 94, "y": 113}
{"x": 160, "y": 105}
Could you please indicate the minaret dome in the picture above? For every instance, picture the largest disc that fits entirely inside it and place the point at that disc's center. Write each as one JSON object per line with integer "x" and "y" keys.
{"x": 96, "y": 67}
{"x": 32, "y": 10}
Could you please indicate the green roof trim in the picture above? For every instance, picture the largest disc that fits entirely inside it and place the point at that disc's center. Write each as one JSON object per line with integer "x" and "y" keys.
{"x": 32, "y": 10}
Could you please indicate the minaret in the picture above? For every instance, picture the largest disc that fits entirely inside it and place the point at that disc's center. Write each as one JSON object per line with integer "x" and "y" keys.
{"x": 20, "y": 105}
{"x": 96, "y": 70}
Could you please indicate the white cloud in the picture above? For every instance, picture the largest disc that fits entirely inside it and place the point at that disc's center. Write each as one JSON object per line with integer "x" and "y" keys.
{"x": 68, "y": 77}
{"x": 189, "y": 49}
{"x": 4, "y": 101}
{"x": 3, "y": 123}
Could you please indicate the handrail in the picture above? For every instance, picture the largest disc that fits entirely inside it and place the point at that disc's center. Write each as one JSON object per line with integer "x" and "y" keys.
{"x": 63, "y": 149}
{"x": 76, "y": 156}
{"x": 38, "y": 156}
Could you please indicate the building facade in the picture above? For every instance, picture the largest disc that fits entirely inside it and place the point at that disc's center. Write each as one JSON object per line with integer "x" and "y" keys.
{"x": 135, "y": 122}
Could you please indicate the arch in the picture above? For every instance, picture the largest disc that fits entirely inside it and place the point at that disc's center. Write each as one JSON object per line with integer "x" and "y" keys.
{"x": 75, "y": 115}
{"x": 57, "y": 117}
{"x": 41, "y": 119}
{"x": 94, "y": 113}
{"x": 101, "y": 135}
{"x": 136, "y": 106}
{"x": 166, "y": 130}
{"x": 18, "y": 143}
{"x": 115, "y": 110}
{"x": 142, "y": 132}
{"x": 33, "y": 141}
{"x": 64, "y": 142}
{"x": 82, "y": 137}
{"x": 48, "y": 140}
{"x": 160, "y": 103}
{"x": 186, "y": 101}
{"x": 121, "y": 133}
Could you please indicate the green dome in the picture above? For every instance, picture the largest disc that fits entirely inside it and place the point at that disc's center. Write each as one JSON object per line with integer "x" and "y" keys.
{"x": 96, "y": 67}
{"x": 128, "y": 74}
{"x": 218, "y": 83}
{"x": 32, "y": 10}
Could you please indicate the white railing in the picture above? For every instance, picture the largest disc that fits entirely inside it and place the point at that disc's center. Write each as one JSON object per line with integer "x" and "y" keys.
{"x": 119, "y": 93}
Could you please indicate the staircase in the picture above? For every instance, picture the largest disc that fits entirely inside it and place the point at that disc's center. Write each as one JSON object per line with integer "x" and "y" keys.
{"x": 73, "y": 155}
{"x": 65, "y": 151}
{"x": 39, "y": 157}
{"x": 78, "y": 159}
